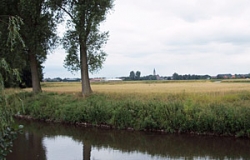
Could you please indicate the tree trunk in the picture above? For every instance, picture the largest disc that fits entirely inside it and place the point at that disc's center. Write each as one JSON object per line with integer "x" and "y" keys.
{"x": 86, "y": 151}
{"x": 86, "y": 89}
{"x": 34, "y": 74}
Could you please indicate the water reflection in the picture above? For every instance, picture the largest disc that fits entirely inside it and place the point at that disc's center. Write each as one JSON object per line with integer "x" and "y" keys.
{"x": 51, "y": 142}
{"x": 56, "y": 147}
{"x": 28, "y": 146}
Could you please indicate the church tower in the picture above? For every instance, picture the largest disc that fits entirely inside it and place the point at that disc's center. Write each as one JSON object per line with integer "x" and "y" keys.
{"x": 154, "y": 72}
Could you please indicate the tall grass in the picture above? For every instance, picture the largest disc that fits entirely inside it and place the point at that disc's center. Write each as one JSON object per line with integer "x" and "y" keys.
{"x": 216, "y": 113}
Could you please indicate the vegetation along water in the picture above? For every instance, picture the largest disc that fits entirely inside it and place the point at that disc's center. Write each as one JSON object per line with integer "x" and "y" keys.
{"x": 211, "y": 109}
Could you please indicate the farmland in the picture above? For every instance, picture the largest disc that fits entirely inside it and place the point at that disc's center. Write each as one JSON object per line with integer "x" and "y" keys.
{"x": 145, "y": 87}
{"x": 200, "y": 107}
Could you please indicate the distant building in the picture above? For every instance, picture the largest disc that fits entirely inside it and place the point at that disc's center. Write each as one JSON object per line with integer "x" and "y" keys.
{"x": 112, "y": 79}
{"x": 97, "y": 79}
{"x": 156, "y": 75}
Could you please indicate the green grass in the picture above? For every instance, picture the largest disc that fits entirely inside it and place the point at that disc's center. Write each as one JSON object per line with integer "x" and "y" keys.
{"x": 203, "y": 113}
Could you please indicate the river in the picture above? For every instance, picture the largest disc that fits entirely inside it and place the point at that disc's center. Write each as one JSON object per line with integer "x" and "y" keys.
{"x": 44, "y": 141}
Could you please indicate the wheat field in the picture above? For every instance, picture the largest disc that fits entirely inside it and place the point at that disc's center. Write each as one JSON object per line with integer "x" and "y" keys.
{"x": 150, "y": 87}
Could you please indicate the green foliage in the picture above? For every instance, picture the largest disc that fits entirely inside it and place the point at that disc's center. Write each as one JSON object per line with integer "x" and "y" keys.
{"x": 179, "y": 113}
{"x": 13, "y": 74}
{"x": 72, "y": 60}
{"x": 6, "y": 139}
{"x": 8, "y": 132}
{"x": 10, "y": 26}
{"x": 14, "y": 28}
{"x": 176, "y": 76}
{"x": 39, "y": 34}
{"x": 137, "y": 75}
{"x": 85, "y": 33}
{"x": 11, "y": 22}
{"x": 31, "y": 23}
{"x": 122, "y": 115}
{"x": 83, "y": 41}
{"x": 132, "y": 75}
{"x": 5, "y": 68}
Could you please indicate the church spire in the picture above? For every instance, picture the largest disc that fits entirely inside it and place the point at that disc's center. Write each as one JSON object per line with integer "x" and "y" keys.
{"x": 154, "y": 72}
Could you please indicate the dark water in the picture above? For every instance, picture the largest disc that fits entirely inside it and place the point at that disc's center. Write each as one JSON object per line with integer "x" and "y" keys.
{"x": 41, "y": 141}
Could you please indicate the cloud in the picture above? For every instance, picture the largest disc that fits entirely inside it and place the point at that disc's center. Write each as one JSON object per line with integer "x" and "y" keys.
{"x": 192, "y": 36}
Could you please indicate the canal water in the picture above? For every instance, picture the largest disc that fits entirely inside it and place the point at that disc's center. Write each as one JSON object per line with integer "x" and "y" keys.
{"x": 43, "y": 141}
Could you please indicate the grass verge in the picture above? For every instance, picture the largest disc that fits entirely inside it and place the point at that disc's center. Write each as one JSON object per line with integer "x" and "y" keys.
{"x": 205, "y": 114}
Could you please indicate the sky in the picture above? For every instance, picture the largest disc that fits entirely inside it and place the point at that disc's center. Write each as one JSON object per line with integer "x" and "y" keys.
{"x": 171, "y": 36}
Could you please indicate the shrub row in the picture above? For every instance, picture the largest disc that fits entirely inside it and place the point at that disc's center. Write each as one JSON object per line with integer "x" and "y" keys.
{"x": 178, "y": 113}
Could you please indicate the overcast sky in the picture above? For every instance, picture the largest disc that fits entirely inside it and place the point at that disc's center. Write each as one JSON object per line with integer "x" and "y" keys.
{"x": 182, "y": 36}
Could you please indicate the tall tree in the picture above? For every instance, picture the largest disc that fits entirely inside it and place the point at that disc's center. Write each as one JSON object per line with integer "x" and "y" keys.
{"x": 132, "y": 75}
{"x": 39, "y": 34}
{"x": 11, "y": 27}
{"x": 83, "y": 39}
{"x": 138, "y": 75}
{"x": 176, "y": 76}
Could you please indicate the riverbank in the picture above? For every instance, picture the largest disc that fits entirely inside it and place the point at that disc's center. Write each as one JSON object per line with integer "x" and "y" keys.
{"x": 221, "y": 114}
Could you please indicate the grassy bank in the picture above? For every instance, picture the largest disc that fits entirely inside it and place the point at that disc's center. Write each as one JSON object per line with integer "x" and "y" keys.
{"x": 209, "y": 113}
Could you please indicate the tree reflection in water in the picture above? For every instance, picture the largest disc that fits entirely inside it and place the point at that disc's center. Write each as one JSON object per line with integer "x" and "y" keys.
{"x": 28, "y": 146}
{"x": 148, "y": 145}
{"x": 86, "y": 151}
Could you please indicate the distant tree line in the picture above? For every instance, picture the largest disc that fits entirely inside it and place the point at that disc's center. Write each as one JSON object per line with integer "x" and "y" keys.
{"x": 133, "y": 76}
{"x": 176, "y": 76}
{"x": 58, "y": 79}
{"x": 230, "y": 76}
{"x": 136, "y": 76}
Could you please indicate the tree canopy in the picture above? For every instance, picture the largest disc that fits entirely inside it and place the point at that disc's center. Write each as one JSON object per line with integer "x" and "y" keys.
{"x": 83, "y": 40}
{"x": 12, "y": 26}
{"x": 38, "y": 32}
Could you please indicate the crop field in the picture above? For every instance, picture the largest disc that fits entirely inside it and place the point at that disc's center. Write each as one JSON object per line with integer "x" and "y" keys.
{"x": 145, "y": 87}
{"x": 202, "y": 107}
